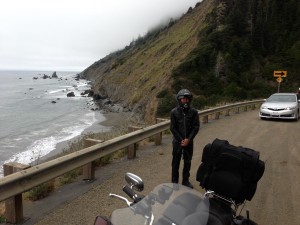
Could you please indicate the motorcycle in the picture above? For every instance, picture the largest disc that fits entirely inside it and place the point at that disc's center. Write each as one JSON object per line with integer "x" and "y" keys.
{"x": 175, "y": 204}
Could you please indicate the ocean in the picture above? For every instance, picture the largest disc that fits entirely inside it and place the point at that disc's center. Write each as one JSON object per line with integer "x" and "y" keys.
{"x": 36, "y": 114}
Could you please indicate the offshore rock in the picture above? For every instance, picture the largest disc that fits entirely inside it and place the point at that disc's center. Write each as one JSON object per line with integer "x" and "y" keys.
{"x": 71, "y": 94}
{"x": 54, "y": 75}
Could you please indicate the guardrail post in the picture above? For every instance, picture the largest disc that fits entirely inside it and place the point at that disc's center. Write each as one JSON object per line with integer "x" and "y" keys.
{"x": 205, "y": 119}
{"x": 246, "y": 108}
{"x": 88, "y": 170}
{"x": 217, "y": 115}
{"x": 132, "y": 148}
{"x": 253, "y": 106}
{"x": 237, "y": 111}
{"x": 14, "y": 205}
{"x": 227, "y": 112}
{"x": 158, "y": 136}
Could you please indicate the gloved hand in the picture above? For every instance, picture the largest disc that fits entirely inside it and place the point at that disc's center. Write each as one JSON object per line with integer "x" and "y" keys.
{"x": 185, "y": 142}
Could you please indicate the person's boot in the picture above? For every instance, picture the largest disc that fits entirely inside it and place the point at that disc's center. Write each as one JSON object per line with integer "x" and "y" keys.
{"x": 187, "y": 184}
{"x": 174, "y": 180}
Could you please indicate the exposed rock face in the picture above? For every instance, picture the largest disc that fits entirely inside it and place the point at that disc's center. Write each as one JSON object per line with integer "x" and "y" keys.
{"x": 134, "y": 76}
{"x": 78, "y": 77}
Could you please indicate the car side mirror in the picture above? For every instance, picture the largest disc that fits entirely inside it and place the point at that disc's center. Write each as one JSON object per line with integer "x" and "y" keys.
{"x": 134, "y": 181}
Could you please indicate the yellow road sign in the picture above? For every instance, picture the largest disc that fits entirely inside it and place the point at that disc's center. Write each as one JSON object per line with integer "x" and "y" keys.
{"x": 279, "y": 79}
{"x": 278, "y": 73}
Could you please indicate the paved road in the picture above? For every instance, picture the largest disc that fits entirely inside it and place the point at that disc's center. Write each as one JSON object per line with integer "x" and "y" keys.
{"x": 277, "y": 200}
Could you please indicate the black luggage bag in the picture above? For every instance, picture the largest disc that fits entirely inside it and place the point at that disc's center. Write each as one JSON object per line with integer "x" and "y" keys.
{"x": 230, "y": 171}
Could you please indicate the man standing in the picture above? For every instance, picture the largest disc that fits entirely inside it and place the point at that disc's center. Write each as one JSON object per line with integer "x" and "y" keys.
{"x": 184, "y": 127}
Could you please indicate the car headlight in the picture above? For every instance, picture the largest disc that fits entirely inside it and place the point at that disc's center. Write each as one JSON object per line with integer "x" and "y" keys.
{"x": 263, "y": 107}
{"x": 290, "y": 108}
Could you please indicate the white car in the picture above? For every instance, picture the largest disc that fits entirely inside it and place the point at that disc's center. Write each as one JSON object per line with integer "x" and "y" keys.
{"x": 281, "y": 105}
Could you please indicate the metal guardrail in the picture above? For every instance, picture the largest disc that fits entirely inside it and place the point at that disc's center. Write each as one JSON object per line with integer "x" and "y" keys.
{"x": 24, "y": 180}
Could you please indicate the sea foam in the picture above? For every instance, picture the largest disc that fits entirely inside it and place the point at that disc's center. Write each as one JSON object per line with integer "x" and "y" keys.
{"x": 44, "y": 146}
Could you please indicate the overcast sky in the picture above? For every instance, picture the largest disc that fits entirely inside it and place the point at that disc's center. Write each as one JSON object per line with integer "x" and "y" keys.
{"x": 70, "y": 35}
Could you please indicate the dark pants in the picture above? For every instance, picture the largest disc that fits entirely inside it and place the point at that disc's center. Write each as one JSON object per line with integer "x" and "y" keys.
{"x": 178, "y": 152}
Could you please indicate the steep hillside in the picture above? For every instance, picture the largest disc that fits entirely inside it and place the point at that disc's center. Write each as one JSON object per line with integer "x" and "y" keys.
{"x": 222, "y": 50}
{"x": 244, "y": 43}
{"x": 135, "y": 75}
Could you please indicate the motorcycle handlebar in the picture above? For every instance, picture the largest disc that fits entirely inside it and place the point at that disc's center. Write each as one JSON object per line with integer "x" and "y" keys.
{"x": 129, "y": 191}
{"x": 135, "y": 197}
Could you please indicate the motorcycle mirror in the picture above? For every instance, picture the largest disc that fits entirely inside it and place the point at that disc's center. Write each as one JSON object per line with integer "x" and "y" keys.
{"x": 134, "y": 181}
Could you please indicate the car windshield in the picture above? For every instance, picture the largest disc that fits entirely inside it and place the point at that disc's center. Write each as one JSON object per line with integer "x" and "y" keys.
{"x": 282, "y": 98}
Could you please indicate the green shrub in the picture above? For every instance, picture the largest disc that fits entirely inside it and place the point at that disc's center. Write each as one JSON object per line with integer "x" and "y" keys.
{"x": 250, "y": 52}
{"x": 235, "y": 92}
{"x": 107, "y": 159}
{"x": 165, "y": 105}
{"x": 162, "y": 94}
{"x": 40, "y": 191}
{"x": 2, "y": 219}
{"x": 69, "y": 177}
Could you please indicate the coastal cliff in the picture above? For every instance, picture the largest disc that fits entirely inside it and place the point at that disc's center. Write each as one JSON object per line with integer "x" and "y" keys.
{"x": 134, "y": 76}
{"x": 221, "y": 50}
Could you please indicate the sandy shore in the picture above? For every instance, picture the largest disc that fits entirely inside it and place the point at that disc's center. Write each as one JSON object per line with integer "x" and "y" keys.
{"x": 112, "y": 119}
{"x": 105, "y": 123}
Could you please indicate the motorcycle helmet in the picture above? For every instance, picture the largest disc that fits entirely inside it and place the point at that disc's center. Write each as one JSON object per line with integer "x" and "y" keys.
{"x": 184, "y": 93}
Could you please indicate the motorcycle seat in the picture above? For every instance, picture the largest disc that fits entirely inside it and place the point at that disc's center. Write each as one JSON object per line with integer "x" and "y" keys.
{"x": 201, "y": 218}
{"x": 188, "y": 207}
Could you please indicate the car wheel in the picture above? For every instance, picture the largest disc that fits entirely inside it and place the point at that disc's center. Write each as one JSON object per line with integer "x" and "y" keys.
{"x": 297, "y": 117}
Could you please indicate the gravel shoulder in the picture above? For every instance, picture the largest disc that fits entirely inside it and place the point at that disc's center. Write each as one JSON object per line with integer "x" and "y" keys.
{"x": 276, "y": 200}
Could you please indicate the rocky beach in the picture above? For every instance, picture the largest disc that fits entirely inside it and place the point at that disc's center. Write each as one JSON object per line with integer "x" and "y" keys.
{"x": 112, "y": 121}
{"x": 42, "y": 112}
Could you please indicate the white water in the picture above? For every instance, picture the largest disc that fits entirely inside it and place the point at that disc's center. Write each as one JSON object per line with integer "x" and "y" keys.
{"x": 31, "y": 125}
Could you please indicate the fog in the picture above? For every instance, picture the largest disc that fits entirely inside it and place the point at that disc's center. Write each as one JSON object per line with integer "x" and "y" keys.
{"x": 70, "y": 35}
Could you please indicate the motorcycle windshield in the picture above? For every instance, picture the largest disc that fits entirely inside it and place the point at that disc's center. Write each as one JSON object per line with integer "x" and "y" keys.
{"x": 167, "y": 204}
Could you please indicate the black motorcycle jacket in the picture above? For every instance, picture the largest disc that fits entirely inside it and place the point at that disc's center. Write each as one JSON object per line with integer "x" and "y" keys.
{"x": 184, "y": 123}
